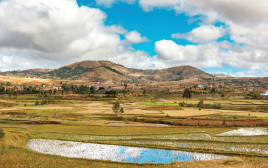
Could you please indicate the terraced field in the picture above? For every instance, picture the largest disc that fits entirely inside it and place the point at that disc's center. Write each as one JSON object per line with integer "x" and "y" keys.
{"x": 140, "y": 137}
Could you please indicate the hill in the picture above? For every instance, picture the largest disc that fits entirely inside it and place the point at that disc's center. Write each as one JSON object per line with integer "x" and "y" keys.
{"x": 105, "y": 71}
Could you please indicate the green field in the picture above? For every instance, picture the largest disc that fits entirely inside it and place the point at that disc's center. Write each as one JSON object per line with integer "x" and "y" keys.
{"x": 143, "y": 124}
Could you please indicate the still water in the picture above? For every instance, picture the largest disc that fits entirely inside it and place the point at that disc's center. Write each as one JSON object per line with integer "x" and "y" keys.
{"x": 115, "y": 153}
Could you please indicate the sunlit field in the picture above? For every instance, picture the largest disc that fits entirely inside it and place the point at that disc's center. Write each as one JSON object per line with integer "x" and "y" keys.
{"x": 143, "y": 128}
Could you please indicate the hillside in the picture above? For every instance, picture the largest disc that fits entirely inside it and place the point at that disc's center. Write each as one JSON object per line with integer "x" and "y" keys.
{"x": 105, "y": 71}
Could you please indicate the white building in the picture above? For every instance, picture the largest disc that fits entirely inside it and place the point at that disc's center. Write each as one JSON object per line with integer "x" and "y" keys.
{"x": 265, "y": 93}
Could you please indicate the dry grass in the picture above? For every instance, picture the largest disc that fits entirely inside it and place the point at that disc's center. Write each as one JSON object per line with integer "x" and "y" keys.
{"x": 19, "y": 80}
{"x": 13, "y": 152}
{"x": 186, "y": 112}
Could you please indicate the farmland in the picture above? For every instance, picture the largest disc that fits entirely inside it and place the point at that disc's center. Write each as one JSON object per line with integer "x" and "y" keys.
{"x": 161, "y": 124}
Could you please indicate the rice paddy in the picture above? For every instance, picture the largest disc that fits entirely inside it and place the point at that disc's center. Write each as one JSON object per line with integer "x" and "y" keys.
{"x": 88, "y": 134}
{"x": 116, "y": 153}
{"x": 199, "y": 136}
{"x": 245, "y": 132}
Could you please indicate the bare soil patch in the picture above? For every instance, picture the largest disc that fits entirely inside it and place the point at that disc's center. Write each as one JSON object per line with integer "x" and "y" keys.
{"x": 163, "y": 108}
{"x": 227, "y": 123}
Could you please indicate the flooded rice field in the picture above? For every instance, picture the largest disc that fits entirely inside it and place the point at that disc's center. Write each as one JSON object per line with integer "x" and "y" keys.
{"x": 226, "y": 147}
{"x": 115, "y": 153}
{"x": 243, "y": 140}
{"x": 245, "y": 132}
{"x": 223, "y": 137}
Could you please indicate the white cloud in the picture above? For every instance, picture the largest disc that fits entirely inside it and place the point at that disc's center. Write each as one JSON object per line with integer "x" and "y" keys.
{"x": 247, "y": 25}
{"x": 214, "y": 54}
{"x": 245, "y": 21}
{"x": 135, "y": 37}
{"x": 207, "y": 55}
{"x": 202, "y": 34}
{"x": 48, "y": 33}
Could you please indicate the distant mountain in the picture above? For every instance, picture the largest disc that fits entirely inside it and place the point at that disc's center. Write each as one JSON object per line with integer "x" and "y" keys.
{"x": 221, "y": 75}
{"x": 105, "y": 71}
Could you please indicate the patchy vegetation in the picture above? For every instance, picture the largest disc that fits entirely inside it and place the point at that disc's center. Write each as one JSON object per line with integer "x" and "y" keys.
{"x": 2, "y": 134}
{"x": 193, "y": 115}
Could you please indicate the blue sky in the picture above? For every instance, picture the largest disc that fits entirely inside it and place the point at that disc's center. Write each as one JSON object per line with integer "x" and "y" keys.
{"x": 157, "y": 25}
{"x": 148, "y": 34}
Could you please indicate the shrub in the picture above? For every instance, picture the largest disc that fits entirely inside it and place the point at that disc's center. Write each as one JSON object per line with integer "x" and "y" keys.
{"x": 122, "y": 110}
{"x": 190, "y": 105}
{"x": 2, "y": 133}
{"x": 200, "y": 103}
{"x": 234, "y": 117}
{"x": 37, "y": 103}
{"x": 183, "y": 104}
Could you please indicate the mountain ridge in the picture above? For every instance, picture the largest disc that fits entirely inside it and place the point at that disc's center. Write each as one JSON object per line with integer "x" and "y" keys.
{"x": 106, "y": 71}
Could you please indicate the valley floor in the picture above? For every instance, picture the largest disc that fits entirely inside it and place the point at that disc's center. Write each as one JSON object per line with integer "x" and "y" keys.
{"x": 143, "y": 124}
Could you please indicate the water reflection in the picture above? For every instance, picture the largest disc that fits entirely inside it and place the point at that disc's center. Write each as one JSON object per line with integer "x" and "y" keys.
{"x": 245, "y": 132}
{"x": 115, "y": 153}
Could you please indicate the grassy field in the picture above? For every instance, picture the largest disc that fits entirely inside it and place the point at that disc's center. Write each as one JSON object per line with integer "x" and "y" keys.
{"x": 143, "y": 124}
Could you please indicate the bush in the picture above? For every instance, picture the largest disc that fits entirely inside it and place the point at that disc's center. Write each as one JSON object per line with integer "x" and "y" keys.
{"x": 183, "y": 104}
{"x": 190, "y": 105}
{"x": 2, "y": 134}
{"x": 200, "y": 104}
{"x": 37, "y": 103}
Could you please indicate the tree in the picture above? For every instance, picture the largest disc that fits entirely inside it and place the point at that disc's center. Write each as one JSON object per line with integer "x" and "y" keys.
{"x": 187, "y": 93}
{"x": 252, "y": 95}
{"x": 111, "y": 92}
{"x": 122, "y": 110}
{"x": 50, "y": 92}
{"x": 213, "y": 90}
{"x": 116, "y": 107}
{"x": 125, "y": 86}
{"x": 92, "y": 90}
{"x": 37, "y": 103}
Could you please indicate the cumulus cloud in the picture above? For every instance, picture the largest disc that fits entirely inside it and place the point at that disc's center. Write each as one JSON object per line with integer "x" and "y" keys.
{"x": 207, "y": 55}
{"x": 135, "y": 37}
{"x": 247, "y": 26}
{"x": 202, "y": 34}
{"x": 48, "y": 33}
{"x": 214, "y": 54}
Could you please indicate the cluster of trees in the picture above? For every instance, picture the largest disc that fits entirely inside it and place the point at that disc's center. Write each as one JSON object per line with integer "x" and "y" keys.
{"x": 14, "y": 91}
{"x": 82, "y": 89}
{"x": 47, "y": 101}
{"x": 67, "y": 72}
{"x": 252, "y": 95}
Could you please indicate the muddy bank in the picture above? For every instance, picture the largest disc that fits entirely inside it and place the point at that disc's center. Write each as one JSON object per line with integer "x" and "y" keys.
{"x": 227, "y": 123}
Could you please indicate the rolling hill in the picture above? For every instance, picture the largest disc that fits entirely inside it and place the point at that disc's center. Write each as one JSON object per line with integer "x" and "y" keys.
{"x": 105, "y": 71}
